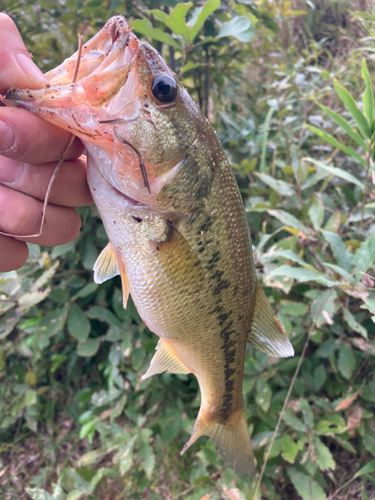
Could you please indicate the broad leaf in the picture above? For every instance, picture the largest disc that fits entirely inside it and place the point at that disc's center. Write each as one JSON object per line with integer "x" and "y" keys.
{"x": 177, "y": 20}
{"x": 281, "y": 187}
{"x": 306, "y": 487}
{"x": 364, "y": 257}
{"x": 78, "y": 324}
{"x": 203, "y": 12}
{"x": 144, "y": 27}
{"x": 316, "y": 213}
{"x": 342, "y": 255}
{"x": 346, "y": 362}
{"x": 239, "y": 27}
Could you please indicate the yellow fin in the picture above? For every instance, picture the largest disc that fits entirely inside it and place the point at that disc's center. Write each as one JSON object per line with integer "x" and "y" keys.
{"x": 181, "y": 265}
{"x": 232, "y": 441}
{"x": 267, "y": 333}
{"x": 106, "y": 265}
{"x": 125, "y": 283}
{"x": 164, "y": 361}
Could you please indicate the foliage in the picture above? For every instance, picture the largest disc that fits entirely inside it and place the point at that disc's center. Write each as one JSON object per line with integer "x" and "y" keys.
{"x": 76, "y": 419}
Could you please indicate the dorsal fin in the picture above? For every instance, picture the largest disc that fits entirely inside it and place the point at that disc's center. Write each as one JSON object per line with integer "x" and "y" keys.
{"x": 164, "y": 361}
{"x": 107, "y": 266}
{"x": 267, "y": 333}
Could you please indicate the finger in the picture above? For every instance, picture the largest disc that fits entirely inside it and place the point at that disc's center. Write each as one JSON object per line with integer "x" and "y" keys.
{"x": 16, "y": 66}
{"x": 33, "y": 140}
{"x": 13, "y": 254}
{"x": 70, "y": 188}
{"x": 21, "y": 215}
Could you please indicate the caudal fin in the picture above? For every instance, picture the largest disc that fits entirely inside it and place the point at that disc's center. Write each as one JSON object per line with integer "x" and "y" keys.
{"x": 231, "y": 439}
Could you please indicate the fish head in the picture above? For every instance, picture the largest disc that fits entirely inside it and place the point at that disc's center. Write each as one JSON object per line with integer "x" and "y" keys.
{"x": 123, "y": 101}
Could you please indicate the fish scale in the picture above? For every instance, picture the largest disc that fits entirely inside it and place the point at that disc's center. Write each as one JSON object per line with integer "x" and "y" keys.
{"x": 178, "y": 232}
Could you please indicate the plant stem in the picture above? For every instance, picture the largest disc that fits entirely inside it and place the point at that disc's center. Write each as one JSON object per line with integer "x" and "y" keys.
{"x": 368, "y": 168}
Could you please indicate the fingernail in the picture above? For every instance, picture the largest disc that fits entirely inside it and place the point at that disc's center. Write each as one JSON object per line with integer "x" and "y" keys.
{"x": 10, "y": 171}
{"x": 30, "y": 69}
{"x": 7, "y": 137}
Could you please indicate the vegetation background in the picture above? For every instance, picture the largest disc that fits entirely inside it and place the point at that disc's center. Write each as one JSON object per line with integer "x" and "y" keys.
{"x": 286, "y": 86}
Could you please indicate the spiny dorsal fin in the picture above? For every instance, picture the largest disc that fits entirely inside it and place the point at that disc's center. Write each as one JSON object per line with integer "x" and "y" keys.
{"x": 181, "y": 265}
{"x": 164, "y": 361}
{"x": 107, "y": 266}
{"x": 267, "y": 333}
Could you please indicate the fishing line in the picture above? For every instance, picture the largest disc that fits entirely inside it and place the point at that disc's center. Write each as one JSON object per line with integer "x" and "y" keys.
{"x": 61, "y": 161}
{"x": 141, "y": 163}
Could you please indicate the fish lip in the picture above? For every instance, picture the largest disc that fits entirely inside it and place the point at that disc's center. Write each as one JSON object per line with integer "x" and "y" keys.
{"x": 98, "y": 53}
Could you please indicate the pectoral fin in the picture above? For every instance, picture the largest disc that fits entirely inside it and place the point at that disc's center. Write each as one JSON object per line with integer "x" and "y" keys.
{"x": 107, "y": 266}
{"x": 267, "y": 333}
{"x": 164, "y": 361}
{"x": 181, "y": 265}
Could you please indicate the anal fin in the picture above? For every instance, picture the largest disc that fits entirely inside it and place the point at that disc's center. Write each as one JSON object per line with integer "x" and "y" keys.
{"x": 107, "y": 266}
{"x": 164, "y": 361}
{"x": 267, "y": 333}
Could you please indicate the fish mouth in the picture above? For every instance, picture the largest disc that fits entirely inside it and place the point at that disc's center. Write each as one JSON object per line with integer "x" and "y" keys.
{"x": 103, "y": 53}
{"x": 88, "y": 80}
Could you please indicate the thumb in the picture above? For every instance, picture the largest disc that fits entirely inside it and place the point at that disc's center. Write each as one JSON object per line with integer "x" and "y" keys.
{"x": 16, "y": 66}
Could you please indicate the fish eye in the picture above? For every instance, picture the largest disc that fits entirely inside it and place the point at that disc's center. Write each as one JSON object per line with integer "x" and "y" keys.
{"x": 164, "y": 88}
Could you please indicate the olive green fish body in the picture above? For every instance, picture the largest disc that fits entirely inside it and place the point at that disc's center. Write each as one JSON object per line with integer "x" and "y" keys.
{"x": 177, "y": 228}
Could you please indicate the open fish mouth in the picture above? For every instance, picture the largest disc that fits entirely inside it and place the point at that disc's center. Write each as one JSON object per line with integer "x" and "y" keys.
{"x": 90, "y": 78}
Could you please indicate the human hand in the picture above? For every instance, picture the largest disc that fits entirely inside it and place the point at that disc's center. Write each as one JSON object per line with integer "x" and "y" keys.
{"x": 30, "y": 150}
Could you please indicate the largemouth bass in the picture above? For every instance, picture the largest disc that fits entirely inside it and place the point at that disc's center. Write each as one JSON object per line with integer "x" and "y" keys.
{"x": 178, "y": 232}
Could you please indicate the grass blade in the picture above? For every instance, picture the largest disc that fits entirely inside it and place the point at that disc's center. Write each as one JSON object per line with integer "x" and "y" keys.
{"x": 345, "y": 126}
{"x": 351, "y": 106}
{"x": 368, "y": 96}
{"x": 334, "y": 142}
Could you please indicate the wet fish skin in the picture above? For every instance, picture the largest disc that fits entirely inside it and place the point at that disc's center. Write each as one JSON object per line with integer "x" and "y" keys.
{"x": 180, "y": 241}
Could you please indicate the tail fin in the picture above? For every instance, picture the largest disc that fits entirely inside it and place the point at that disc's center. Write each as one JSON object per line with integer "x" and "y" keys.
{"x": 232, "y": 440}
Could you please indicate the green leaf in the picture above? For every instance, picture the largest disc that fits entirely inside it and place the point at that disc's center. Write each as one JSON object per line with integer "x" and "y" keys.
{"x": 290, "y": 449}
{"x": 264, "y": 394}
{"x": 88, "y": 348}
{"x": 144, "y": 27}
{"x": 86, "y": 429}
{"x": 345, "y": 126}
{"x": 339, "y": 270}
{"x": 346, "y": 362}
{"x": 324, "y": 458}
{"x": 350, "y": 319}
{"x": 342, "y": 255}
{"x": 239, "y": 27}
{"x": 364, "y": 257}
{"x": 307, "y": 413}
{"x": 78, "y": 324}
{"x": 334, "y": 142}
{"x": 302, "y": 275}
{"x": 281, "y": 187}
{"x": 306, "y": 487}
{"x": 338, "y": 172}
{"x": 368, "y": 96}
{"x": 332, "y": 424}
{"x": 366, "y": 469}
{"x": 288, "y": 220}
{"x": 351, "y": 106}
{"x": 30, "y": 397}
{"x": 294, "y": 422}
{"x": 177, "y": 20}
{"x": 368, "y": 392}
{"x": 203, "y": 12}
{"x": 316, "y": 213}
